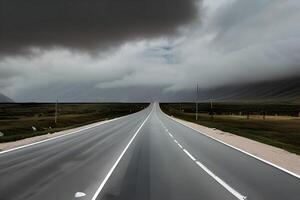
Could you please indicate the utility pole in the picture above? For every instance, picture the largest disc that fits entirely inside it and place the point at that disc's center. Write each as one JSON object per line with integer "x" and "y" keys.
{"x": 197, "y": 94}
{"x": 56, "y": 110}
{"x": 211, "y": 109}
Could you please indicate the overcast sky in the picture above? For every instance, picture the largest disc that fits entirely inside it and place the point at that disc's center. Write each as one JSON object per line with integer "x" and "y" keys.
{"x": 62, "y": 46}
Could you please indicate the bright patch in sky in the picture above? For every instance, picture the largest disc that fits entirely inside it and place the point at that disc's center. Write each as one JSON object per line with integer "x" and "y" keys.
{"x": 229, "y": 42}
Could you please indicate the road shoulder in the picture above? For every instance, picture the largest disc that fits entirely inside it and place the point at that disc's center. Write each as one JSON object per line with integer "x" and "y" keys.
{"x": 27, "y": 141}
{"x": 277, "y": 156}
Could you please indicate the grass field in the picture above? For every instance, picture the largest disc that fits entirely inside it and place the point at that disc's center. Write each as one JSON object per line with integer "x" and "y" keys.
{"x": 281, "y": 129}
{"x": 17, "y": 120}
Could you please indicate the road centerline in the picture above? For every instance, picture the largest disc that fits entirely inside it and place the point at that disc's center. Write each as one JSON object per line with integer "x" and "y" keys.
{"x": 210, "y": 173}
{"x": 190, "y": 155}
{"x": 98, "y": 191}
{"x": 237, "y": 149}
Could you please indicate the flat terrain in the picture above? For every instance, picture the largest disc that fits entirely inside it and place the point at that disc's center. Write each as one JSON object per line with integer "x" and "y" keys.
{"x": 275, "y": 155}
{"x": 280, "y": 128}
{"x": 17, "y": 120}
{"x": 142, "y": 156}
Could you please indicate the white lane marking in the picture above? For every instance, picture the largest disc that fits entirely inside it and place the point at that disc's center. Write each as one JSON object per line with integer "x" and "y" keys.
{"x": 180, "y": 146}
{"x": 220, "y": 181}
{"x": 118, "y": 160}
{"x": 42, "y": 141}
{"x": 190, "y": 155}
{"x": 240, "y": 150}
{"x": 171, "y": 135}
{"x": 79, "y": 194}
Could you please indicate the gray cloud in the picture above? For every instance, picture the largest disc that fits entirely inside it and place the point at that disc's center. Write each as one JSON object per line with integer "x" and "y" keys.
{"x": 87, "y": 24}
{"x": 236, "y": 42}
{"x": 241, "y": 24}
{"x": 242, "y": 41}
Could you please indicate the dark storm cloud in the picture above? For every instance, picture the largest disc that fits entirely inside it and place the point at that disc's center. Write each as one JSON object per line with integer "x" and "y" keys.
{"x": 236, "y": 43}
{"x": 87, "y": 24}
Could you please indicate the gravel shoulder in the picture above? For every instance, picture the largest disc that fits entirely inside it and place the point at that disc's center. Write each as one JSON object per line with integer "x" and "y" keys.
{"x": 272, "y": 154}
{"x": 10, "y": 145}
{"x": 269, "y": 153}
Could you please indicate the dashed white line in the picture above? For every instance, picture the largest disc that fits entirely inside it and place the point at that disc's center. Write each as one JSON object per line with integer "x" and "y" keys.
{"x": 221, "y": 182}
{"x": 238, "y": 149}
{"x": 190, "y": 155}
{"x": 79, "y": 194}
{"x": 215, "y": 177}
{"x": 118, "y": 160}
{"x": 178, "y": 144}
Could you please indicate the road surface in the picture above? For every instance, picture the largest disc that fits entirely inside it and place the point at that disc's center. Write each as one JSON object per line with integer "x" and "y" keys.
{"x": 143, "y": 156}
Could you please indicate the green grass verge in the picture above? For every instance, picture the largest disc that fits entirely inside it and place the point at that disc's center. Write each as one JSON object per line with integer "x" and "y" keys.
{"x": 16, "y": 120}
{"x": 282, "y": 133}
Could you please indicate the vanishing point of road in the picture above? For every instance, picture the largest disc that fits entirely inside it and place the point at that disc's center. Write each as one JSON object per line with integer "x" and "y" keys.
{"x": 142, "y": 156}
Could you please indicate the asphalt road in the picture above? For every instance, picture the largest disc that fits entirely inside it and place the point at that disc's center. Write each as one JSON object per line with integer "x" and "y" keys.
{"x": 142, "y": 156}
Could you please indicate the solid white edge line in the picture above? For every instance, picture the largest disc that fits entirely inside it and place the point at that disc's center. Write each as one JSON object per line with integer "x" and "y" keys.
{"x": 190, "y": 155}
{"x": 249, "y": 154}
{"x": 118, "y": 160}
{"x": 221, "y": 182}
{"x": 46, "y": 140}
{"x": 210, "y": 173}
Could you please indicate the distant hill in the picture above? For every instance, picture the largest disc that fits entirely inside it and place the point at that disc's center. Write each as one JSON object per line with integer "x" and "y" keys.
{"x": 5, "y": 99}
{"x": 282, "y": 90}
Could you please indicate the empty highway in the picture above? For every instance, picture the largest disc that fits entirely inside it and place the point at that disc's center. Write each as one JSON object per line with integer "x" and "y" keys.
{"x": 143, "y": 156}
